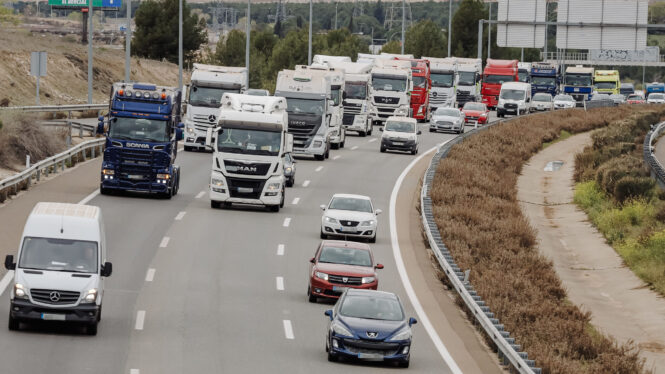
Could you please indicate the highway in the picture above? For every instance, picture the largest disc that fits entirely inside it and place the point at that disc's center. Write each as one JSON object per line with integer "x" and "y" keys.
{"x": 196, "y": 289}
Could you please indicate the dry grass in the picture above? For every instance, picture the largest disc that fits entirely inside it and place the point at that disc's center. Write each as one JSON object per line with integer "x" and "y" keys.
{"x": 21, "y": 136}
{"x": 476, "y": 209}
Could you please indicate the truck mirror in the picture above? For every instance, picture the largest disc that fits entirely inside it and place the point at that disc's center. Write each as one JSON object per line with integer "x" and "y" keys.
{"x": 9, "y": 262}
{"x": 106, "y": 269}
{"x": 289, "y": 143}
{"x": 179, "y": 134}
{"x": 181, "y": 125}
{"x": 209, "y": 137}
{"x": 100, "y": 127}
{"x": 344, "y": 95}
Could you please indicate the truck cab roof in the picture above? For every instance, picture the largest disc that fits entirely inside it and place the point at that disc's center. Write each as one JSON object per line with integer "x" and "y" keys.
{"x": 219, "y": 76}
{"x": 264, "y": 112}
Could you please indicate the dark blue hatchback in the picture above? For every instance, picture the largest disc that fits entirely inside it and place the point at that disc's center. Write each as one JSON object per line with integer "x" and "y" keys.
{"x": 369, "y": 325}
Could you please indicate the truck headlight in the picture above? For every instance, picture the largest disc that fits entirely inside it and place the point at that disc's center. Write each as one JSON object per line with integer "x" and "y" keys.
{"x": 367, "y": 280}
{"x": 317, "y": 143}
{"x": 273, "y": 189}
{"x": 163, "y": 178}
{"x": 190, "y": 129}
{"x": 217, "y": 182}
{"x": 288, "y": 169}
{"x": 91, "y": 296}
{"x": 19, "y": 291}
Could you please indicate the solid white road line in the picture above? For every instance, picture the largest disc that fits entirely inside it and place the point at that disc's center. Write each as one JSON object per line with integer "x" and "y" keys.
{"x": 318, "y": 169}
{"x": 354, "y": 147}
{"x": 401, "y": 269}
{"x": 288, "y": 329}
{"x": 200, "y": 194}
{"x": 280, "y": 250}
{"x": 165, "y": 242}
{"x": 371, "y": 140}
{"x": 336, "y": 157}
{"x": 305, "y": 183}
{"x": 279, "y": 281}
{"x": 134, "y": 371}
{"x": 296, "y": 201}
{"x": 150, "y": 275}
{"x": 140, "y": 319}
{"x": 180, "y": 216}
{"x": 89, "y": 197}
{"x": 287, "y": 222}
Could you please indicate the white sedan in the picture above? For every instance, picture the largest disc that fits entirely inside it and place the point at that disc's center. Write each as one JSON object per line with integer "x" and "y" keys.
{"x": 350, "y": 216}
{"x": 656, "y": 98}
{"x": 447, "y": 119}
{"x": 540, "y": 102}
{"x": 564, "y": 102}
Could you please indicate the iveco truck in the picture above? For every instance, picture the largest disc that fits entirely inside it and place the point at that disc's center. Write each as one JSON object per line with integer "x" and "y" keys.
{"x": 307, "y": 97}
{"x": 142, "y": 134}
{"x": 390, "y": 89}
{"x": 249, "y": 144}
{"x": 206, "y": 88}
{"x": 578, "y": 83}
{"x": 356, "y": 103}
{"x": 443, "y": 93}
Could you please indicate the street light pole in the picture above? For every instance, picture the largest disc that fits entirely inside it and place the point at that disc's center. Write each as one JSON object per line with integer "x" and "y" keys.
{"x": 180, "y": 44}
{"x": 489, "y": 33}
{"x": 309, "y": 42}
{"x": 403, "y": 24}
{"x": 128, "y": 41}
{"x": 89, "y": 51}
{"x": 450, "y": 24}
{"x": 247, "y": 32}
{"x": 335, "y": 15}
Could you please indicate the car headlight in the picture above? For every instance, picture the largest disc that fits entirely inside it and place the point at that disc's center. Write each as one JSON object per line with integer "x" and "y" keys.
{"x": 288, "y": 169}
{"x": 321, "y": 275}
{"x": 274, "y": 186}
{"x": 108, "y": 172}
{"x": 217, "y": 182}
{"x": 19, "y": 291}
{"x": 330, "y": 219}
{"x": 163, "y": 176}
{"x": 339, "y": 329}
{"x": 367, "y": 280}
{"x": 404, "y": 334}
{"x": 368, "y": 223}
{"x": 91, "y": 296}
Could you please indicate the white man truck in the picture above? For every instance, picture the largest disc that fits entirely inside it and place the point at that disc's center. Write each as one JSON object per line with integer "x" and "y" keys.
{"x": 334, "y": 78}
{"x": 206, "y": 88}
{"x": 307, "y": 97}
{"x": 356, "y": 104}
{"x": 469, "y": 73}
{"x": 325, "y": 59}
{"x": 443, "y": 72}
{"x": 249, "y": 144}
{"x": 390, "y": 90}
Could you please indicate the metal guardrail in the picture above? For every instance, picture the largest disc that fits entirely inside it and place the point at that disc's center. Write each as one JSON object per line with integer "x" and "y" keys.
{"x": 604, "y": 103}
{"x": 57, "y": 108}
{"x": 50, "y": 165}
{"x": 509, "y": 352}
{"x": 655, "y": 167}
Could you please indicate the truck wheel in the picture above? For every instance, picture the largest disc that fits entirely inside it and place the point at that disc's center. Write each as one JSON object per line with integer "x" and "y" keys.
{"x": 188, "y": 148}
{"x": 274, "y": 208}
{"x": 334, "y": 146}
{"x": 104, "y": 191}
{"x": 362, "y": 134}
{"x": 214, "y": 204}
{"x": 13, "y": 323}
{"x": 91, "y": 329}
{"x": 328, "y": 152}
{"x": 281, "y": 204}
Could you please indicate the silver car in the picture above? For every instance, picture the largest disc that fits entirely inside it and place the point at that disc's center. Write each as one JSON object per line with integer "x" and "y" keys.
{"x": 564, "y": 102}
{"x": 289, "y": 169}
{"x": 447, "y": 119}
{"x": 541, "y": 101}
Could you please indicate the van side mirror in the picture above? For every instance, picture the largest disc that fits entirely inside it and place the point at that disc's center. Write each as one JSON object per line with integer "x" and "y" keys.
{"x": 289, "y": 143}
{"x": 312, "y": 260}
{"x": 329, "y": 313}
{"x": 412, "y": 321}
{"x": 106, "y": 269}
{"x": 9, "y": 262}
{"x": 419, "y": 132}
{"x": 378, "y": 211}
{"x": 323, "y": 207}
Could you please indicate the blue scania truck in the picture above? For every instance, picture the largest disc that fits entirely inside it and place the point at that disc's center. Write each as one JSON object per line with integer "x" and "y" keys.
{"x": 142, "y": 133}
{"x": 544, "y": 78}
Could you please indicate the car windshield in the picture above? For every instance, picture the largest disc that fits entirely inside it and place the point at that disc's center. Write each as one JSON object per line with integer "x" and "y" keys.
{"x": 442, "y": 79}
{"x": 635, "y": 97}
{"x": 305, "y": 106}
{"x": 509, "y": 94}
{"x": 466, "y": 78}
{"x": 254, "y": 142}
{"x": 563, "y": 98}
{"x": 523, "y": 76}
{"x": 372, "y": 307}
{"x": 400, "y": 126}
{"x": 543, "y": 81}
{"x": 356, "y": 90}
{"x": 546, "y": 98}
{"x": 77, "y": 256}
{"x": 578, "y": 80}
{"x": 139, "y": 129}
{"x": 345, "y": 256}
{"x": 385, "y": 83}
{"x": 420, "y": 82}
{"x": 498, "y": 79}
{"x": 657, "y": 96}
{"x": 208, "y": 96}
{"x": 475, "y": 106}
{"x": 447, "y": 112}
{"x": 353, "y": 204}
{"x": 605, "y": 85}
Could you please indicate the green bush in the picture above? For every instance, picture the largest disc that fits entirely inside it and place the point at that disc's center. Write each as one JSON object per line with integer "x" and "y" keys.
{"x": 588, "y": 195}
{"x": 633, "y": 187}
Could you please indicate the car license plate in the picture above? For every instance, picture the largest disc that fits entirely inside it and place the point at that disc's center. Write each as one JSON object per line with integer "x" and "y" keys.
{"x": 398, "y": 143}
{"x": 347, "y": 229}
{"x": 370, "y": 356}
{"x": 53, "y": 317}
{"x": 245, "y": 190}
{"x": 473, "y": 122}
{"x": 339, "y": 289}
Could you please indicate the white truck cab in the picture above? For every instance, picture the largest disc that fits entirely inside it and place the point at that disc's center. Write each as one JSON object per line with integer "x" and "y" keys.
{"x": 61, "y": 267}
{"x": 325, "y": 59}
{"x": 356, "y": 88}
{"x": 514, "y": 98}
{"x": 249, "y": 145}
{"x": 391, "y": 87}
{"x": 208, "y": 84}
{"x": 443, "y": 72}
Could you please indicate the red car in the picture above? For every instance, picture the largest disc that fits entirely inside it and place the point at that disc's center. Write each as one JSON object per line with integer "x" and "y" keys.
{"x": 635, "y": 99}
{"x": 475, "y": 112}
{"x": 339, "y": 265}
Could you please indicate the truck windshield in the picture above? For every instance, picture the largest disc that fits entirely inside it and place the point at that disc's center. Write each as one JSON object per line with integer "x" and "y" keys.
{"x": 512, "y": 94}
{"x": 140, "y": 129}
{"x": 419, "y": 82}
{"x": 605, "y": 85}
{"x": 253, "y": 142}
{"x": 467, "y": 78}
{"x": 498, "y": 79}
{"x": 208, "y": 96}
{"x": 578, "y": 80}
{"x": 336, "y": 95}
{"x": 76, "y": 256}
{"x": 356, "y": 90}
{"x": 305, "y": 106}
{"x": 543, "y": 81}
{"x": 384, "y": 83}
{"x": 442, "y": 79}
{"x": 523, "y": 76}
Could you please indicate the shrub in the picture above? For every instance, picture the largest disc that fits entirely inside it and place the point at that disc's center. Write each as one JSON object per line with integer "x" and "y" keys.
{"x": 633, "y": 187}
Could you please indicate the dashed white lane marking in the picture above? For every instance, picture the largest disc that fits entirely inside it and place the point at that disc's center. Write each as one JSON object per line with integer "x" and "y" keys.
{"x": 200, "y": 194}
{"x": 280, "y": 250}
{"x": 165, "y": 242}
{"x": 318, "y": 169}
{"x": 6, "y": 280}
{"x": 287, "y": 222}
{"x": 140, "y": 319}
{"x": 371, "y": 140}
{"x": 89, "y": 197}
{"x": 296, "y": 201}
{"x": 134, "y": 371}
{"x": 305, "y": 183}
{"x": 336, "y": 157}
{"x": 150, "y": 275}
{"x": 354, "y": 147}
{"x": 288, "y": 329}
{"x": 279, "y": 282}
{"x": 180, "y": 216}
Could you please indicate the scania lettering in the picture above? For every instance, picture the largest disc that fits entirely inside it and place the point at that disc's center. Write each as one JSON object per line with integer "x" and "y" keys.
{"x": 544, "y": 78}
{"x": 356, "y": 104}
{"x": 249, "y": 144}
{"x": 578, "y": 83}
{"x": 443, "y": 93}
{"x": 142, "y": 133}
{"x": 307, "y": 97}
{"x": 206, "y": 88}
{"x": 390, "y": 89}
{"x": 496, "y": 73}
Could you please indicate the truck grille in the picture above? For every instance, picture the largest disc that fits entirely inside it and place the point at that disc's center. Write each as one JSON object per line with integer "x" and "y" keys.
{"x": 55, "y": 297}
{"x": 245, "y": 188}
{"x": 249, "y": 168}
{"x": 437, "y": 98}
{"x": 464, "y": 97}
{"x": 349, "y": 280}
{"x": 136, "y": 165}
{"x": 204, "y": 120}
{"x": 385, "y": 112}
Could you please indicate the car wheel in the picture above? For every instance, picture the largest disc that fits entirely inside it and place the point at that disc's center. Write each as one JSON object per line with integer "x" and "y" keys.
{"x": 414, "y": 151}
{"x": 91, "y": 329}
{"x": 289, "y": 182}
{"x": 331, "y": 356}
{"x": 104, "y": 191}
{"x": 431, "y": 130}
{"x": 383, "y": 149}
{"x": 281, "y": 204}
{"x": 312, "y": 299}
{"x": 13, "y": 323}
{"x": 323, "y": 236}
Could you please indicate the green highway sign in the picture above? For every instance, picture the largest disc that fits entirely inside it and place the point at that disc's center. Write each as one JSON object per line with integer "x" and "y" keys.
{"x": 84, "y": 3}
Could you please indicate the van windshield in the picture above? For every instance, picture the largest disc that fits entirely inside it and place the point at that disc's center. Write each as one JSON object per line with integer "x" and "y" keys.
{"x": 78, "y": 256}
{"x": 509, "y": 94}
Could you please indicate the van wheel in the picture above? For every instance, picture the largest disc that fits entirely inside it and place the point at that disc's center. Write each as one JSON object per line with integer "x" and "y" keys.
{"x": 362, "y": 134}
{"x": 13, "y": 323}
{"x": 328, "y": 152}
{"x": 91, "y": 329}
{"x": 341, "y": 145}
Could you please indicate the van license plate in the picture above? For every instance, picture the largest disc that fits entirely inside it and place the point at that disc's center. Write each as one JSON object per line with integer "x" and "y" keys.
{"x": 53, "y": 317}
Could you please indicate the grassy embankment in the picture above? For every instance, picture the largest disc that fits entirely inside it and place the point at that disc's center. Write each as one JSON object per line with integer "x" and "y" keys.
{"x": 480, "y": 219}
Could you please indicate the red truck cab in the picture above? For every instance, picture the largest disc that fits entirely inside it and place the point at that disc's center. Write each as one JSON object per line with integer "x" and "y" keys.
{"x": 495, "y": 74}
{"x": 422, "y": 83}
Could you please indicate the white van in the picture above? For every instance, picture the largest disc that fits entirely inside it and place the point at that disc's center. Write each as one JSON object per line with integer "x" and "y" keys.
{"x": 401, "y": 134}
{"x": 61, "y": 265}
{"x": 514, "y": 98}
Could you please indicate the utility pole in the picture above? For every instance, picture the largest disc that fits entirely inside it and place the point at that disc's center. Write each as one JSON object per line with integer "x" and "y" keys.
{"x": 489, "y": 33}
{"x": 180, "y": 44}
{"x": 128, "y": 41}
{"x": 335, "y": 15}
{"x": 309, "y": 50}
{"x": 450, "y": 24}
{"x": 90, "y": 52}
{"x": 403, "y": 24}
{"x": 247, "y": 32}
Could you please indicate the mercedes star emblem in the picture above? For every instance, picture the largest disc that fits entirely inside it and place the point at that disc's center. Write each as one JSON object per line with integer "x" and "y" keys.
{"x": 54, "y": 296}
{"x": 212, "y": 118}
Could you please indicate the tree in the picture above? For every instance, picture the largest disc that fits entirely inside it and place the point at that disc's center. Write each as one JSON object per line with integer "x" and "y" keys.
{"x": 351, "y": 23}
{"x": 156, "y": 34}
{"x": 231, "y": 52}
{"x": 379, "y": 13}
{"x": 425, "y": 38}
{"x": 277, "y": 30}
{"x": 392, "y": 46}
{"x": 465, "y": 27}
